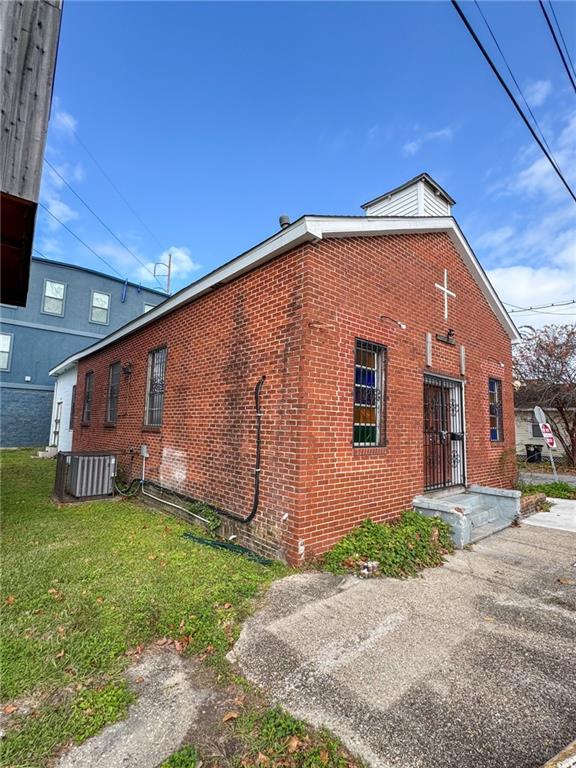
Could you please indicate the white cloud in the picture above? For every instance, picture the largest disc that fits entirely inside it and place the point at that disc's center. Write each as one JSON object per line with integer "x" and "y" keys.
{"x": 414, "y": 146}
{"x": 525, "y": 286}
{"x": 63, "y": 122}
{"x": 536, "y": 176}
{"x": 183, "y": 265}
{"x": 71, "y": 173}
{"x": 495, "y": 238}
{"x": 59, "y": 209}
{"x": 51, "y": 196}
{"x": 537, "y": 92}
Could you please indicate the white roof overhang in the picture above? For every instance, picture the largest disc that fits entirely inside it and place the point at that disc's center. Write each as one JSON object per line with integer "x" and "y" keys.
{"x": 310, "y": 229}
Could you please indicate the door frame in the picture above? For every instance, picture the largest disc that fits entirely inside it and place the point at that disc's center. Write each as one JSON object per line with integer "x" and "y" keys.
{"x": 453, "y": 470}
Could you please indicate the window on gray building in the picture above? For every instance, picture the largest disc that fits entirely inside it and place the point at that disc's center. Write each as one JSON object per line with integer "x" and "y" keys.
{"x": 155, "y": 387}
{"x": 100, "y": 307}
{"x": 54, "y": 297}
{"x": 113, "y": 391}
{"x": 5, "y": 351}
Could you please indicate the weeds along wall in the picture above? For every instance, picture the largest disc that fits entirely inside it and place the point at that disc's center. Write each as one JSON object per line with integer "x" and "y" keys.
{"x": 295, "y": 320}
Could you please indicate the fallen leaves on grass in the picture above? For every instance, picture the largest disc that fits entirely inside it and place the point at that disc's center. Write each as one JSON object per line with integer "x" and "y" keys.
{"x": 232, "y": 715}
{"x": 566, "y": 581}
{"x": 10, "y": 600}
{"x": 9, "y": 709}
{"x": 56, "y": 594}
{"x": 293, "y": 744}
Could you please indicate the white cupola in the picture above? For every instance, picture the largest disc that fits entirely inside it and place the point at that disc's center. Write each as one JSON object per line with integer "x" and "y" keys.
{"x": 421, "y": 196}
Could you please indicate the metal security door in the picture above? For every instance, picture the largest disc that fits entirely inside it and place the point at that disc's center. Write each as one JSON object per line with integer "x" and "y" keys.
{"x": 443, "y": 433}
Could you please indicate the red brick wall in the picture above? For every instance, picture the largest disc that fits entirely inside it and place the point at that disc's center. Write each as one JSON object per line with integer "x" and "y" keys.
{"x": 218, "y": 348}
{"x": 295, "y": 320}
{"x": 351, "y": 283}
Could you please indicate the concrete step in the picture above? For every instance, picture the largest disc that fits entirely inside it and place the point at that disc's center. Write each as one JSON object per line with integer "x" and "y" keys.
{"x": 481, "y": 516}
{"x": 482, "y": 531}
{"x": 474, "y": 513}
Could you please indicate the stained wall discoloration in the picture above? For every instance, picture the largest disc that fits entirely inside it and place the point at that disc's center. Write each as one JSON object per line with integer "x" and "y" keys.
{"x": 295, "y": 320}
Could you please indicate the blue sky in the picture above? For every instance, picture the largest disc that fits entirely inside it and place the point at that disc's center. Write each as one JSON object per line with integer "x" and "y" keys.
{"x": 214, "y": 118}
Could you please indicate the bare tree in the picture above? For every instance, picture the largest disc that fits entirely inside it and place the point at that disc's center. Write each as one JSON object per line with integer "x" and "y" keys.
{"x": 545, "y": 369}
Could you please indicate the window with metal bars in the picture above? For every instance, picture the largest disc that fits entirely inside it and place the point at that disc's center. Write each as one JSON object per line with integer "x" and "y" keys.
{"x": 88, "y": 395}
{"x": 72, "y": 407}
{"x": 155, "y": 387}
{"x": 369, "y": 401}
{"x": 113, "y": 391}
{"x": 495, "y": 410}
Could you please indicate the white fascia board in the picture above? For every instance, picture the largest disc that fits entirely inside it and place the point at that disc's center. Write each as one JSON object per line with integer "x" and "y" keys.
{"x": 309, "y": 229}
{"x": 68, "y": 364}
{"x": 284, "y": 240}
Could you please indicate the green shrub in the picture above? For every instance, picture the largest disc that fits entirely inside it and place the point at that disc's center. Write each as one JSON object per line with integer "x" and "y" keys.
{"x": 187, "y": 757}
{"x": 401, "y": 548}
{"x": 557, "y": 490}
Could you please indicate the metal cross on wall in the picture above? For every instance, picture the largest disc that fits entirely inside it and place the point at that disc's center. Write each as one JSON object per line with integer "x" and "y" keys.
{"x": 446, "y": 292}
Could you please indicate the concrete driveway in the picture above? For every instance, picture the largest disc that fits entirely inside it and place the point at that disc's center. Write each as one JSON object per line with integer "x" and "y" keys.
{"x": 471, "y": 666}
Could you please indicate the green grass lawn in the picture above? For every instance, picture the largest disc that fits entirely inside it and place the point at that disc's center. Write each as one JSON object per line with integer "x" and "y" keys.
{"x": 84, "y": 584}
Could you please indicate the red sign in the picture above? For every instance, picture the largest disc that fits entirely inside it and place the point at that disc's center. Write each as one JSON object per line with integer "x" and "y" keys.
{"x": 548, "y": 435}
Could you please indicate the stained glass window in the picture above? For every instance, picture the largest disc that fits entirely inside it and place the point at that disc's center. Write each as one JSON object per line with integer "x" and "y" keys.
{"x": 155, "y": 387}
{"x": 495, "y": 409}
{"x": 369, "y": 381}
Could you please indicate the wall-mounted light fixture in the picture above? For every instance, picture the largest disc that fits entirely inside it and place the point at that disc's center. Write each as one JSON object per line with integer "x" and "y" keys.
{"x": 127, "y": 369}
{"x": 399, "y": 323}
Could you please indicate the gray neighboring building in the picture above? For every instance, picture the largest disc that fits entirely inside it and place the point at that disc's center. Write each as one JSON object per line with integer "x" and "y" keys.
{"x": 68, "y": 308}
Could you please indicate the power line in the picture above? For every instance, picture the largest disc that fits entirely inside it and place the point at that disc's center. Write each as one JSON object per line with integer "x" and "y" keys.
{"x": 115, "y": 188}
{"x": 512, "y": 97}
{"x": 40, "y": 254}
{"x": 93, "y": 212}
{"x": 515, "y": 81}
{"x": 567, "y": 50}
{"x": 543, "y": 306}
{"x": 45, "y": 207}
{"x": 540, "y": 310}
{"x": 558, "y": 46}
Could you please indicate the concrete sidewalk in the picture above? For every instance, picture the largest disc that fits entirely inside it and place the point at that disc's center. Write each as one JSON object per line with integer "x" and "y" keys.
{"x": 471, "y": 666}
{"x": 561, "y": 516}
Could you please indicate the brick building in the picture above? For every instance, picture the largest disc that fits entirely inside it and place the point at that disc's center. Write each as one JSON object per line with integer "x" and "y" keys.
{"x": 387, "y": 357}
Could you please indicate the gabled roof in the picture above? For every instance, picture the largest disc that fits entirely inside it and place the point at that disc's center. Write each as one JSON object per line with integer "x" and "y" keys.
{"x": 304, "y": 230}
{"x": 421, "y": 177}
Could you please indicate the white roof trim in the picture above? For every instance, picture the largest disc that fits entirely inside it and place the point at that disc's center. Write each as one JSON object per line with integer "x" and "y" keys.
{"x": 309, "y": 229}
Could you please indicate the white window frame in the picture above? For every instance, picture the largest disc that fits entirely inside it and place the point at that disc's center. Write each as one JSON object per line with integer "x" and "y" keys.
{"x": 10, "y": 336}
{"x": 102, "y": 293}
{"x": 44, "y": 297}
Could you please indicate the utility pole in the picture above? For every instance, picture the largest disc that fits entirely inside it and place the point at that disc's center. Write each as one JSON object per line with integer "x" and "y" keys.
{"x": 168, "y": 268}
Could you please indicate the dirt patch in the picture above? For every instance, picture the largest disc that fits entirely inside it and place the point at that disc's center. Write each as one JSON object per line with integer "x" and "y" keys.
{"x": 180, "y": 701}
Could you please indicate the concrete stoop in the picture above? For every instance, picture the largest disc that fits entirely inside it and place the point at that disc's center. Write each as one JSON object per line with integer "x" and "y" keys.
{"x": 48, "y": 453}
{"x": 474, "y": 512}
